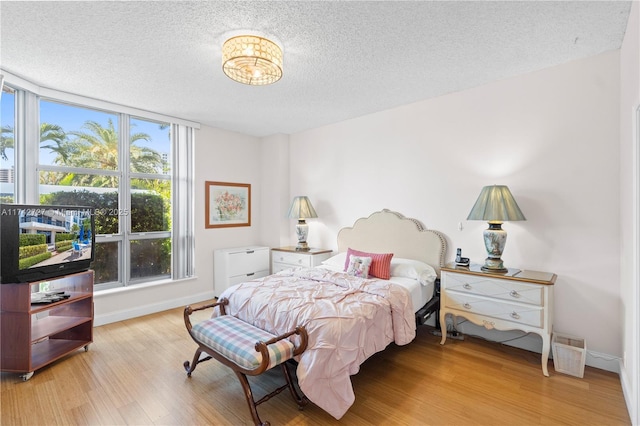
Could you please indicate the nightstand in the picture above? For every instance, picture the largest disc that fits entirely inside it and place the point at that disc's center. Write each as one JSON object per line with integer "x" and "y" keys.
{"x": 514, "y": 300}
{"x": 235, "y": 265}
{"x": 288, "y": 257}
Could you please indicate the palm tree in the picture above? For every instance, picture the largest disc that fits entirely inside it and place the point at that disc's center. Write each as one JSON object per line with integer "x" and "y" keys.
{"x": 48, "y": 132}
{"x": 54, "y": 133}
{"x": 96, "y": 147}
{"x": 143, "y": 159}
{"x": 6, "y": 141}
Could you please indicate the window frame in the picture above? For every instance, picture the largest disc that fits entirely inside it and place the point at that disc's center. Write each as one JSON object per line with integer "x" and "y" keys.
{"x": 27, "y": 170}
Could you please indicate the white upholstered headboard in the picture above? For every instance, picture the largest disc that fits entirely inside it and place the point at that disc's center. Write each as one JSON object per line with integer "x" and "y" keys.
{"x": 390, "y": 232}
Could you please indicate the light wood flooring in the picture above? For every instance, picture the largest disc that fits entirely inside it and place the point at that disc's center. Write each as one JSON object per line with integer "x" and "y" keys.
{"x": 133, "y": 375}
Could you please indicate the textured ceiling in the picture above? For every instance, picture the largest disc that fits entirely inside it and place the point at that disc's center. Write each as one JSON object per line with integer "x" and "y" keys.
{"x": 341, "y": 59}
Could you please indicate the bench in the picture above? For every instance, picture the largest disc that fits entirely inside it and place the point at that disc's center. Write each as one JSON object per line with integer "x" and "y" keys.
{"x": 246, "y": 349}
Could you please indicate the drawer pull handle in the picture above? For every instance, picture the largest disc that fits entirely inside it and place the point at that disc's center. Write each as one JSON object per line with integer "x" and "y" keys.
{"x": 467, "y": 306}
{"x": 514, "y": 293}
{"x": 252, "y": 273}
{"x": 466, "y": 287}
{"x": 515, "y": 315}
{"x": 250, "y": 251}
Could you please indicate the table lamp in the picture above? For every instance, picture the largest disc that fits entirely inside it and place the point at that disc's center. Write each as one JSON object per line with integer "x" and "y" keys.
{"x": 302, "y": 209}
{"x": 495, "y": 204}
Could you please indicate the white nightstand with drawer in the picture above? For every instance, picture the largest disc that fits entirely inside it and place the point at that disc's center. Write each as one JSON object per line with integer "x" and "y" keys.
{"x": 234, "y": 265}
{"x": 288, "y": 257}
{"x": 515, "y": 300}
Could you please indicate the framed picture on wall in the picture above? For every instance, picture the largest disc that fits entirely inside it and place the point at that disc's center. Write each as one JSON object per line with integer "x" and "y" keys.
{"x": 227, "y": 204}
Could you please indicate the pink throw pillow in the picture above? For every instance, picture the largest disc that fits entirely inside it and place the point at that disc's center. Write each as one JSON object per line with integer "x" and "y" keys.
{"x": 380, "y": 263}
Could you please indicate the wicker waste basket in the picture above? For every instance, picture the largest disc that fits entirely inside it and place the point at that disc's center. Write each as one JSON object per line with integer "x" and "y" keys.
{"x": 569, "y": 354}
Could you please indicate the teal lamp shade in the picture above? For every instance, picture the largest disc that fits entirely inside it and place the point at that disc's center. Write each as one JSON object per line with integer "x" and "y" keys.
{"x": 495, "y": 204}
{"x": 302, "y": 209}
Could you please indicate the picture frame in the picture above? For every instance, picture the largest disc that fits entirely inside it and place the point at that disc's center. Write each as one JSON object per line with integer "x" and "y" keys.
{"x": 227, "y": 204}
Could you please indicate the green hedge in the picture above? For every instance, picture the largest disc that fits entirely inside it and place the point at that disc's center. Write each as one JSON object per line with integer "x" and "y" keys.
{"x": 64, "y": 246}
{"x": 32, "y": 239}
{"x": 148, "y": 211}
{"x": 28, "y": 251}
{"x": 64, "y": 236}
{"x": 30, "y": 261}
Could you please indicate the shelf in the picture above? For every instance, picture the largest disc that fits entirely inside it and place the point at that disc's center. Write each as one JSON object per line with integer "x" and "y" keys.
{"x": 75, "y": 296}
{"x": 50, "y": 350}
{"x": 32, "y": 336}
{"x": 54, "y": 324}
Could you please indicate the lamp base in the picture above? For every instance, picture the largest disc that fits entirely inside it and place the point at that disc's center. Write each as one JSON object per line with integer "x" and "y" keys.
{"x": 493, "y": 265}
{"x": 302, "y": 230}
{"x": 495, "y": 239}
{"x": 302, "y": 246}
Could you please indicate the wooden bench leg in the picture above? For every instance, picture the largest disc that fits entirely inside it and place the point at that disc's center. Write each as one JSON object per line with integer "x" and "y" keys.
{"x": 250, "y": 401}
{"x": 196, "y": 360}
{"x": 301, "y": 401}
{"x": 253, "y": 404}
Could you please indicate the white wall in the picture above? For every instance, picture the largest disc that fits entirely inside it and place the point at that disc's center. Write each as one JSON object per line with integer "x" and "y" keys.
{"x": 630, "y": 214}
{"x": 551, "y": 136}
{"x": 275, "y": 227}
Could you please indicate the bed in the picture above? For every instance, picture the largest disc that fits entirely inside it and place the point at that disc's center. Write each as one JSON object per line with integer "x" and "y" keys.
{"x": 348, "y": 318}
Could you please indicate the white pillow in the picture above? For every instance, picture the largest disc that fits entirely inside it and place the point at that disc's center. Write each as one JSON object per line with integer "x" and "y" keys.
{"x": 338, "y": 260}
{"x": 359, "y": 266}
{"x": 414, "y": 269}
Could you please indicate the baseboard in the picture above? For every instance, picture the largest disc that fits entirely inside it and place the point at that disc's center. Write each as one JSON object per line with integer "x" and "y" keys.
{"x": 629, "y": 397}
{"x": 533, "y": 343}
{"x": 139, "y": 311}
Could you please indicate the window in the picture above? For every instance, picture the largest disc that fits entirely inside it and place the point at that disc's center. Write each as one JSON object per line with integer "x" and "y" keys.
{"x": 119, "y": 161}
{"x": 78, "y": 164}
{"x": 150, "y": 198}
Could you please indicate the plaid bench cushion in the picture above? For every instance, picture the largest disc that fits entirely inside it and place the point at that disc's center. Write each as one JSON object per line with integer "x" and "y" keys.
{"x": 236, "y": 340}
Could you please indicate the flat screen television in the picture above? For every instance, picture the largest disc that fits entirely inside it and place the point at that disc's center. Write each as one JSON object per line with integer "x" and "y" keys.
{"x": 39, "y": 242}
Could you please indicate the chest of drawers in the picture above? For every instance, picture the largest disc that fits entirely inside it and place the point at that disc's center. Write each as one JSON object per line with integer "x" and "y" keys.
{"x": 234, "y": 265}
{"x": 515, "y": 300}
{"x": 287, "y": 257}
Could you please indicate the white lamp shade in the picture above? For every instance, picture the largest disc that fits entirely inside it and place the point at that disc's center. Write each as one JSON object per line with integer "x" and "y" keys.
{"x": 496, "y": 204}
{"x": 301, "y": 208}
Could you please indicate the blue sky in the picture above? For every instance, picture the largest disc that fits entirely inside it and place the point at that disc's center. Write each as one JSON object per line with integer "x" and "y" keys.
{"x": 72, "y": 118}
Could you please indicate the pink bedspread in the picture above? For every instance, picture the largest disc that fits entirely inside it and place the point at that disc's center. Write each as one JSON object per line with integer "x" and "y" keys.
{"x": 347, "y": 318}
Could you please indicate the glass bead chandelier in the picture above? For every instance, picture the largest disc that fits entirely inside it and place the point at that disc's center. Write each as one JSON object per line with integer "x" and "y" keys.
{"x": 252, "y": 60}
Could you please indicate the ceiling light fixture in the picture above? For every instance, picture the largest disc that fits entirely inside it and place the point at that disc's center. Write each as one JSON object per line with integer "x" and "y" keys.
{"x": 252, "y": 60}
